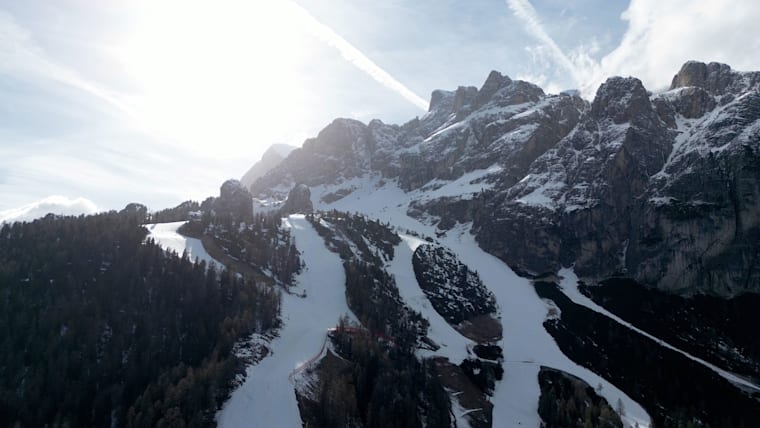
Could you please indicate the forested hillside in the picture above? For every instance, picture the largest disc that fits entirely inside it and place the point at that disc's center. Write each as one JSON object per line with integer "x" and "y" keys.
{"x": 100, "y": 328}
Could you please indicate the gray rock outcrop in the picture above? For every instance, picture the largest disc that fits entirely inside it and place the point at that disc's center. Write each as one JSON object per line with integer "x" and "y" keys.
{"x": 299, "y": 201}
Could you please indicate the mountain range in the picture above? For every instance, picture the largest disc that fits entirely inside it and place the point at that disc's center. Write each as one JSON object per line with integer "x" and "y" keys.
{"x": 662, "y": 188}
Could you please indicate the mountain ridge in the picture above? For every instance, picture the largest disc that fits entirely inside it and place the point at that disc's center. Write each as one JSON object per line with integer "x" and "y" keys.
{"x": 270, "y": 159}
{"x": 563, "y": 165}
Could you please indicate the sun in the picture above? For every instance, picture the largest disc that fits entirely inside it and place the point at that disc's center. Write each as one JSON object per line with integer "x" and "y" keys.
{"x": 215, "y": 77}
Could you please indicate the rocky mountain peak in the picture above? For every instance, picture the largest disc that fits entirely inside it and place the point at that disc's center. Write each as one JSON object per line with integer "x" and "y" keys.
{"x": 441, "y": 100}
{"x": 234, "y": 200}
{"x": 270, "y": 159}
{"x": 498, "y": 90}
{"x": 493, "y": 83}
{"x": 714, "y": 77}
{"x": 338, "y": 137}
{"x": 717, "y": 79}
{"x": 299, "y": 200}
{"x": 621, "y": 99}
{"x": 612, "y": 186}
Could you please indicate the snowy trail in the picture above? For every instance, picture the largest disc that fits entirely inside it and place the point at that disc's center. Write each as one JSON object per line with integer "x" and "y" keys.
{"x": 526, "y": 344}
{"x": 267, "y": 397}
{"x": 453, "y": 344}
{"x": 166, "y": 235}
{"x": 569, "y": 285}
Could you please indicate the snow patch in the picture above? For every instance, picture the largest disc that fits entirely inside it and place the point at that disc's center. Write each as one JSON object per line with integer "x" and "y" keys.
{"x": 166, "y": 235}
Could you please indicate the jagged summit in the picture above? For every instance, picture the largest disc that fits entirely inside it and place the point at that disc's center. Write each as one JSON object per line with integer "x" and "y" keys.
{"x": 554, "y": 180}
{"x": 497, "y": 88}
{"x": 719, "y": 80}
{"x": 271, "y": 157}
{"x": 621, "y": 99}
{"x": 493, "y": 83}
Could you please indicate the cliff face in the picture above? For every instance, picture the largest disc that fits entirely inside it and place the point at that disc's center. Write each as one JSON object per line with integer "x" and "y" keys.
{"x": 270, "y": 159}
{"x": 577, "y": 196}
{"x": 663, "y": 188}
{"x": 699, "y": 226}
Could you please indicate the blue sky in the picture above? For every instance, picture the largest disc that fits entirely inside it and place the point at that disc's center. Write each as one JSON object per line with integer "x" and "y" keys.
{"x": 160, "y": 101}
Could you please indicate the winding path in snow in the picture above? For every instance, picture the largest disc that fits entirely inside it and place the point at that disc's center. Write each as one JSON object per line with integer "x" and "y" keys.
{"x": 267, "y": 397}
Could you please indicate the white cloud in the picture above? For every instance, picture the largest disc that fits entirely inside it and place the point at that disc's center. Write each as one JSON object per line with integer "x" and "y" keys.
{"x": 60, "y": 205}
{"x": 662, "y": 35}
{"x": 353, "y": 55}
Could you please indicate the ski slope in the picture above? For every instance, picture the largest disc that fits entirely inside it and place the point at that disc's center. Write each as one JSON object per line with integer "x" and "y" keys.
{"x": 166, "y": 235}
{"x": 569, "y": 286}
{"x": 267, "y": 397}
{"x": 526, "y": 344}
{"x": 453, "y": 345}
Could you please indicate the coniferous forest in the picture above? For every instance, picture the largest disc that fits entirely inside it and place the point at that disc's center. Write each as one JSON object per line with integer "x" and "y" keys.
{"x": 99, "y": 326}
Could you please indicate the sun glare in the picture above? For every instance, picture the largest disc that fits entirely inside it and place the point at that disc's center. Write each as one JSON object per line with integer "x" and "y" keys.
{"x": 215, "y": 77}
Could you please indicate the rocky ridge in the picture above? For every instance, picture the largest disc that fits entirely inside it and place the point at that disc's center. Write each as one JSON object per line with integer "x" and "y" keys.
{"x": 270, "y": 159}
{"x": 659, "y": 187}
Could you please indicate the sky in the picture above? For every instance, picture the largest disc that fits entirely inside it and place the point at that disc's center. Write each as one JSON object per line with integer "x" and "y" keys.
{"x": 159, "y": 101}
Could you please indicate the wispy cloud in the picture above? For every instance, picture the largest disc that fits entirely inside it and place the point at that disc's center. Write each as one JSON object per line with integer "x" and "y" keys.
{"x": 353, "y": 55}
{"x": 21, "y": 57}
{"x": 660, "y": 37}
{"x": 527, "y": 14}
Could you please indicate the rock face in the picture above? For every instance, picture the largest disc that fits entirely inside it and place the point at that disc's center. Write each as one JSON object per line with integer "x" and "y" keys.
{"x": 506, "y": 123}
{"x": 661, "y": 188}
{"x": 299, "y": 201}
{"x": 270, "y": 159}
{"x": 234, "y": 200}
{"x": 574, "y": 195}
{"x": 664, "y": 188}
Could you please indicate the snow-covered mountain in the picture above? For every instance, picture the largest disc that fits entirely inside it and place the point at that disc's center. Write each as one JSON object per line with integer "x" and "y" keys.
{"x": 616, "y": 186}
{"x": 467, "y": 237}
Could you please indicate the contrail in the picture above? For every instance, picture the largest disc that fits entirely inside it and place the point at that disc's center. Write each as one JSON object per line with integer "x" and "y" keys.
{"x": 354, "y": 56}
{"x": 525, "y": 11}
